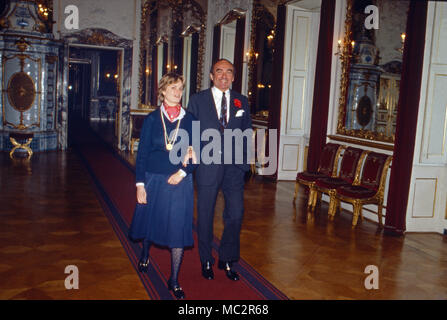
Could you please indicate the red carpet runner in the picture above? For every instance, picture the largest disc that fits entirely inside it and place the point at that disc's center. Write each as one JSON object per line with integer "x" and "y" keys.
{"x": 114, "y": 180}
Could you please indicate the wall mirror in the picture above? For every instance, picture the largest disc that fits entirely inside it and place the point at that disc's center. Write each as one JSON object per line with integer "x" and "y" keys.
{"x": 228, "y": 42}
{"x": 172, "y": 39}
{"x": 371, "y": 62}
{"x": 260, "y": 58}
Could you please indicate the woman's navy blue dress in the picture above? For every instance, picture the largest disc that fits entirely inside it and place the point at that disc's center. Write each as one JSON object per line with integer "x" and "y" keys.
{"x": 167, "y": 217}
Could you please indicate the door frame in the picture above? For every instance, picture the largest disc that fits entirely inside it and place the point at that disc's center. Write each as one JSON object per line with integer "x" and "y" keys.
{"x": 120, "y": 87}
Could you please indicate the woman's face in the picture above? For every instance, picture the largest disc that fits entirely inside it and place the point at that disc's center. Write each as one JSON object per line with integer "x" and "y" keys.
{"x": 173, "y": 93}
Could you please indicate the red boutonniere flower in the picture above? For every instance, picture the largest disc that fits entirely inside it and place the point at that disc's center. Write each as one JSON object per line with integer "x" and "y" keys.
{"x": 237, "y": 103}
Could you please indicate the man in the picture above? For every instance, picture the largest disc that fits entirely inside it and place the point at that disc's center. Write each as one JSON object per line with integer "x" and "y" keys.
{"x": 220, "y": 108}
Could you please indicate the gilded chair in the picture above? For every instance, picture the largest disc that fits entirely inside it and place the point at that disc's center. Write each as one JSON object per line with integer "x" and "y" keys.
{"x": 327, "y": 167}
{"x": 371, "y": 187}
{"x": 350, "y": 167}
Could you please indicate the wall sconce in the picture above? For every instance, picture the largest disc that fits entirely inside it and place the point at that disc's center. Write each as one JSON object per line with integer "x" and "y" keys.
{"x": 170, "y": 67}
{"x": 107, "y": 75}
{"x": 43, "y": 11}
{"x": 116, "y": 76}
{"x": 402, "y": 37}
{"x": 249, "y": 55}
{"x": 345, "y": 51}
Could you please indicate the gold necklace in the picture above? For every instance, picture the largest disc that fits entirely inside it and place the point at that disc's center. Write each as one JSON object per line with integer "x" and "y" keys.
{"x": 169, "y": 144}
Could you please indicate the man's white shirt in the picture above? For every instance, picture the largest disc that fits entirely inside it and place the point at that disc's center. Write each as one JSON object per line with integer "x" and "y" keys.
{"x": 217, "y": 95}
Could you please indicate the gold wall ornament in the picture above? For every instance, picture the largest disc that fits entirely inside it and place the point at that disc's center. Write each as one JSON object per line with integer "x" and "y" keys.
{"x": 21, "y": 91}
{"x": 189, "y": 30}
{"x": 97, "y": 38}
{"x": 345, "y": 70}
{"x": 4, "y": 23}
{"x": 22, "y": 44}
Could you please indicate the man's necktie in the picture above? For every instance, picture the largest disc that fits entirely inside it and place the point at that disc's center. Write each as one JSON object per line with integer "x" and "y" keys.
{"x": 223, "y": 111}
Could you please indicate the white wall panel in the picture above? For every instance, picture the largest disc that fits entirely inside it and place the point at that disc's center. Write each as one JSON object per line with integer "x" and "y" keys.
{"x": 440, "y": 34}
{"x": 295, "y": 107}
{"x": 117, "y": 16}
{"x": 424, "y": 197}
{"x": 436, "y": 111}
{"x": 290, "y": 156}
{"x": 300, "y": 41}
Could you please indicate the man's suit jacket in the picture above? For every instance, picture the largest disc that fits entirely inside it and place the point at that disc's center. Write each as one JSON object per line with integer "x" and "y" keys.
{"x": 202, "y": 106}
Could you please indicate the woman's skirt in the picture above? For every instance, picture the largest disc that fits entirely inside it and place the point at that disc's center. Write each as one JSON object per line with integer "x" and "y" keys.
{"x": 167, "y": 217}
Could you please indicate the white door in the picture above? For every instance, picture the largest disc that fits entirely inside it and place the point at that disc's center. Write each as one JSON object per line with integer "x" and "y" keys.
{"x": 301, "y": 41}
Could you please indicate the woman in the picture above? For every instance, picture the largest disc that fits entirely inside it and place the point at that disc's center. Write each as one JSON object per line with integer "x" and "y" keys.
{"x": 165, "y": 196}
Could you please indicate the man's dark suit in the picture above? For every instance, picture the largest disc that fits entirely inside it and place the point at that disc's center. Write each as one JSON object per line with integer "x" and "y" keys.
{"x": 228, "y": 177}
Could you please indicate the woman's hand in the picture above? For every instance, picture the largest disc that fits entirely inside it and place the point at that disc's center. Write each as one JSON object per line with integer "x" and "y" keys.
{"x": 175, "y": 178}
{"x": 190, "y": 155}
{"x": 141, "y": 195}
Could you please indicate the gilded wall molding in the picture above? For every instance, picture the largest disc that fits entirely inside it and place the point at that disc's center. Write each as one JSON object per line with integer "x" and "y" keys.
{"x": 150, "y": 36}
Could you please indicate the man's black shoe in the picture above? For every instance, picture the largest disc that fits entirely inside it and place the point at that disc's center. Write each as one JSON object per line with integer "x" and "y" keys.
{"x": 232, "y": 275}
{"x": 207, "y": 271}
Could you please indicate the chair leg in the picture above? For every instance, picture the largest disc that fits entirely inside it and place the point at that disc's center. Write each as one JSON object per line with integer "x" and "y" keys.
{"x": 297, "y": 186}
{"x": 317, "y": 199}
{"x": 132, "y": 143}
{"x": 311, "y": 201}
{"x": 332, "y": 205}
{"x": 253, "y": 168}
{"x": 357, "y": 212}
{"x": 379, "y": 213}
{"x": 314, "y": 195}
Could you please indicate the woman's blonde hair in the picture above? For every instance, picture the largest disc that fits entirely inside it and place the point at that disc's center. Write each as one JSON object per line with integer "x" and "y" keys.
{"x": 166, "y": 80}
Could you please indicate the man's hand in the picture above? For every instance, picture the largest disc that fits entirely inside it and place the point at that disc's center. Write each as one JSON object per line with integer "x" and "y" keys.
{"x": 141, "y": 195}
{"x": 175, "y": 178}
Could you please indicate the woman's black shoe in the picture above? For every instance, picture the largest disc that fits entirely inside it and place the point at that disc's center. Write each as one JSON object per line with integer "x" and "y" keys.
{"x": 143, "y": 265}
{"x": 177, "y": 290}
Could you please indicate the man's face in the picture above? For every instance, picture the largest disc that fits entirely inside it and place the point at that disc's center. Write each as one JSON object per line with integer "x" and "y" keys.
{"x": 222, "y": 75}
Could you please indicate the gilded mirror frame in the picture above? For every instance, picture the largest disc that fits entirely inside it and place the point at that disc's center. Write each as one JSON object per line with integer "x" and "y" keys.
{"x": 345, "y": 55}
{"x": 148, "y": 40}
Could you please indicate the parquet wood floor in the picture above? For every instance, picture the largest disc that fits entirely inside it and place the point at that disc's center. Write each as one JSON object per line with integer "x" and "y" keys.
{"x": 51, "y": 218}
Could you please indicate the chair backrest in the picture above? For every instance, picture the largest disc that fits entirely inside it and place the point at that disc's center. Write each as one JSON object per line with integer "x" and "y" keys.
{"x": 328, "y": 164}
{"x": 351, "y": 164}
{"x": 137, "y": 121}
{"x": 374, "y": 170}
